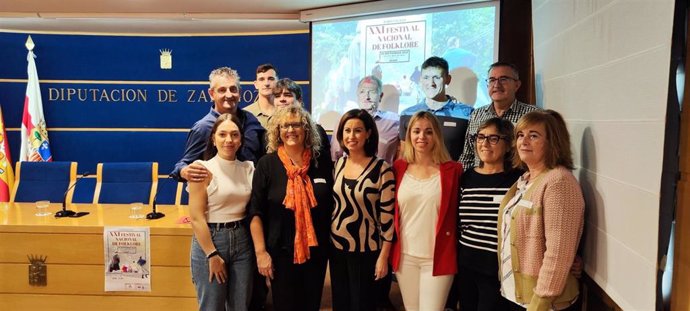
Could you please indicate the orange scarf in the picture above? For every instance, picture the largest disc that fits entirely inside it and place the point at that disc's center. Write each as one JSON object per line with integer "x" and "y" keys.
{"x": 299, "y": 197}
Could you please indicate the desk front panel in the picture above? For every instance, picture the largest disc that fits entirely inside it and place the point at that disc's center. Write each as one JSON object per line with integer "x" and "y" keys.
{"x": 75, "y": 263}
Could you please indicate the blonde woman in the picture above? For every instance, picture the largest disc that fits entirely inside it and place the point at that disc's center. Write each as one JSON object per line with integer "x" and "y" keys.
{"x": 427, "y": 183}
{"x": 292, "y": 201}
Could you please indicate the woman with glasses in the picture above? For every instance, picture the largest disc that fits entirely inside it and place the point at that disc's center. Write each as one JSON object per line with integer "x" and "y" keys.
{"x": 427, "y": 184}
{"x": 287, "y": 93}
{"x": 292, "y": 201}
{"x": 482, "y": 189}
{"x": 362, "y": 221}
{"x": 540, "y": 218}
{"x": 221, "y": 252}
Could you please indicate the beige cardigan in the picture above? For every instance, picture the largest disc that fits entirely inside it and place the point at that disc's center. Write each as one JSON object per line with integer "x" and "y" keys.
{"x": 544, "y": 238}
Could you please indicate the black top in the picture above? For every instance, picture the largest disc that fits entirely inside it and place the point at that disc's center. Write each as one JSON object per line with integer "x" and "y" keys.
{"x": 268, "y": 193}
{"x": 481, "y": 196}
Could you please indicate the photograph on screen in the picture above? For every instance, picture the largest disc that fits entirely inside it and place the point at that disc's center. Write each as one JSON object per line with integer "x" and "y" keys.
{"x": 392, "y": 47}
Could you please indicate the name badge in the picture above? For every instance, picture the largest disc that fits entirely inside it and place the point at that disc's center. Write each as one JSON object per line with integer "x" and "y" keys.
{"x": 319, "y": 180}
{"x": 449, "y": 124}
{"x": 525, "y": 203}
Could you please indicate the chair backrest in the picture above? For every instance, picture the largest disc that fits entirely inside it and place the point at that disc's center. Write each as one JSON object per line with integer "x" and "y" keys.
{"x": 35, "y": 181}
{"x": 181, "y": 195}
{"x": 126, "y": 182}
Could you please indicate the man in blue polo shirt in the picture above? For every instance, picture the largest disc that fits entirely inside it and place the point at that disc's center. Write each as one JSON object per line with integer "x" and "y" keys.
{"x": 225, "y": 92}
{"x": 453, "y": 115}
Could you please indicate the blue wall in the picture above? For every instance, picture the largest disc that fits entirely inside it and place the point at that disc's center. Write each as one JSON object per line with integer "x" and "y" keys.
{"x": 100, "y": 124}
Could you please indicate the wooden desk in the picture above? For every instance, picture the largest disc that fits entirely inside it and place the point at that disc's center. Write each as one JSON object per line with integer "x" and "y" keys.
{"x": 74, "y": 247}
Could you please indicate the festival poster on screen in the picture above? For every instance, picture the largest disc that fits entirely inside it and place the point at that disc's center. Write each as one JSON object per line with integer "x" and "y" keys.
{"x": 396, "y": 46}
{"x": 127, "y": 259}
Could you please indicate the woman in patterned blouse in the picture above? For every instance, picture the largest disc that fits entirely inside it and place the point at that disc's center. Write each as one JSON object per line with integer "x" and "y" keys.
{"x": 362, "y": 220}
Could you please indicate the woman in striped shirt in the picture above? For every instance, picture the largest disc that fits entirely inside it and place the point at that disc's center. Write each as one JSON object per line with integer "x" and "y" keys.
{"x": 362, "y": 221}
{"x": 483, "y": 188}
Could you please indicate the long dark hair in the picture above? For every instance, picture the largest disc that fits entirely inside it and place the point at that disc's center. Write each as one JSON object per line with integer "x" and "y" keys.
{"x": 211, "y": 149}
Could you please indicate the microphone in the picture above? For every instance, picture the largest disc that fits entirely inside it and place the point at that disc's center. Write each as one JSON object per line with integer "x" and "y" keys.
{"x": 65, "y": 212}
{"x": 153, "y": 214}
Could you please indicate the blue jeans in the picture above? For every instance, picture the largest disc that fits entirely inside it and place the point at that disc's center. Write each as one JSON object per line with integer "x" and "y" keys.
{"x": 235, "y": 248}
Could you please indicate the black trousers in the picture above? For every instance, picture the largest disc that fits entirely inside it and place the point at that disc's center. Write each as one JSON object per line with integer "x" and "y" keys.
{"x": 382, "y": 289}
{"x": 353, "y": 281}
{"x": 452, "y": 300}
{"x": 480, "y": 292}
{"x": 259, "y": 292}
{"x": 298, "y": 287}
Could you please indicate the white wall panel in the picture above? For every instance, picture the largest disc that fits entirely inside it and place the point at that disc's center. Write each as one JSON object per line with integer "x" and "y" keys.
{"x": 604, "y": 65}
{"x": 622, "y": 151}
{"x": 609, "y": 209}
{"x": 613, "y": 261}
{"x": 558, "y": 16}
{"x": 617, "y": 30}
{"x": 619, "y": 90}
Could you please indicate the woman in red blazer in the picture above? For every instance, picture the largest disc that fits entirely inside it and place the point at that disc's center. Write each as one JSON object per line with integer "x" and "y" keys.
{"x": 427, "y": 183}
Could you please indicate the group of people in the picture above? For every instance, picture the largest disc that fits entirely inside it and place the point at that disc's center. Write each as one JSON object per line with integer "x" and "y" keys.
{"x": 273, "y": 202}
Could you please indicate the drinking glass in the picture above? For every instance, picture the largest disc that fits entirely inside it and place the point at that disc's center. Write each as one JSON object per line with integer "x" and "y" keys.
{"x": 135, "y": 211}
{"x": 42, "y": 208}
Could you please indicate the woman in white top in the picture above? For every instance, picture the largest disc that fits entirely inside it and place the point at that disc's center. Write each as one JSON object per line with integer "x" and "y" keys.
{"x": 222, "y": 260}
{"x": 424, "y": 254}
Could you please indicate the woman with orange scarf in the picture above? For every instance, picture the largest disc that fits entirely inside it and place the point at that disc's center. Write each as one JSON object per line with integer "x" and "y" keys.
{"x": 291, "y": 204}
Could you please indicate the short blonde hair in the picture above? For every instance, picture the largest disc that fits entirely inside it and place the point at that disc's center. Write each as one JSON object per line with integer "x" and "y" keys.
{"x": 557, "y": 151}
{"x": 439, "y": 153}
{"x": 312, "y": 140}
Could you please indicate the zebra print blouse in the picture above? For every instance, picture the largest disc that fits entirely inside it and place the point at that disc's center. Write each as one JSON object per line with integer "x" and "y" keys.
{"x": 363, "y": 215}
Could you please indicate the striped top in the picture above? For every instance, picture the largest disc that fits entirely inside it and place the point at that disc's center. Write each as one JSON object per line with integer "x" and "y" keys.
{"x": 363, "y": 215}
{"x": 481, "y": 196}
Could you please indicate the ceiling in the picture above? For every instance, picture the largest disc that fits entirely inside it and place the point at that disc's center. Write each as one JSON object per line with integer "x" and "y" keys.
{"x": 158, "y": 16}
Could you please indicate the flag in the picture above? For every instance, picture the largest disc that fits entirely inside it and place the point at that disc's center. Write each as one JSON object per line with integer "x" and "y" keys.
{"x": 35, "y": 146}
{"x": 6, "y": 172}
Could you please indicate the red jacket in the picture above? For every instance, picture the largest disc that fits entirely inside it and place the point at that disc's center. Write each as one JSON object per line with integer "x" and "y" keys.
{"x": 445, "y": 261}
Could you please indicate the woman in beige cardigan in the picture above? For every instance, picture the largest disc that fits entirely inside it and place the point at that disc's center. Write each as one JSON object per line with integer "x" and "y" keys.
{"x": 540, "y": 219}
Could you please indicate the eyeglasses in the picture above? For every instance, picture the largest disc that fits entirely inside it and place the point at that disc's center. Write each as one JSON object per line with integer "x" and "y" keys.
{"x": 294, "y": 126}
{"x": 493, "y": 139}
{"x": 502, "y": 80}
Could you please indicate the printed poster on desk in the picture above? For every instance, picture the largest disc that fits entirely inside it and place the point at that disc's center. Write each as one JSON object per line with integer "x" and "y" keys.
{"x": 127, "y": 259}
